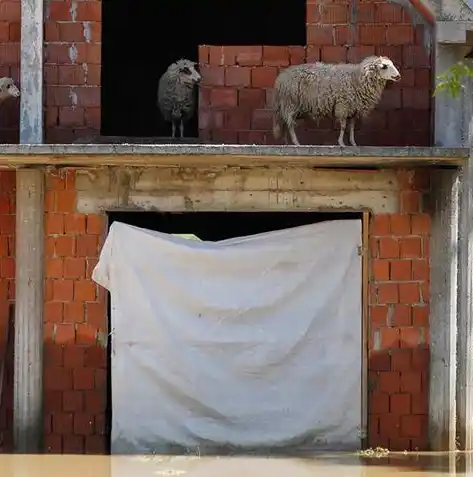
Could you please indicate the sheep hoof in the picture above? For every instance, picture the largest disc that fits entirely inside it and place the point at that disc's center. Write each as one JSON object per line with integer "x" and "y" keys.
{"x": 341, "y": 144}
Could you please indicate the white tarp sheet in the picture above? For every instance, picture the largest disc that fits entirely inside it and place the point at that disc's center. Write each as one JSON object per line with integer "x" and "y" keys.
{"x": 248, "y": 342}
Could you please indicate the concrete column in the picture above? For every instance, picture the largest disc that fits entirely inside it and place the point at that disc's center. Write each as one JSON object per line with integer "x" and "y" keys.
{"x": 464, "y": 383}
{"x": 445, "y": 188}
{"x": 28, "y": 377}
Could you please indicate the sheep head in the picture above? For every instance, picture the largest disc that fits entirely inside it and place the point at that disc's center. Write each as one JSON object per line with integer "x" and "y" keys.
{"x": 381, "y": 68}
{"x": 8, "y": 89}
{"x": 186, "y": 71}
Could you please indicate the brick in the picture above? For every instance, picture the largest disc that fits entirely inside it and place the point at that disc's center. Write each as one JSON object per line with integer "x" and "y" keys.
{"x": 74, "y": 267}
{"x": 237, "y": 119}
{"x": 346, "y": 36}
{"x": 83, "y": 424}
{"x": 420, "y": 315}
{"x": 87, "y": 246}
{"x": 410, "y": 247}
{"x": 319, "y": 35}
{"x": 62, "y": 423}
{"x": 73, "y": 444}
{"x": 65, "y": 333}
{"x": 357, "y": 53}
{"x": 237, "y": 76}
{"x": 91, "y": 264}
{"x": 386, "y": 13}
{"x": 421, "y": 224}
{"x": 95, "y": 445}
{"x": 333, "y": 14}
{"x": 372, "y": 35}
{"x": 389, "y": 338}
{"x": 313, "y": 54}
{"x": 95, "y": 402}
{"x": 420, "y": 270}
{"x": 388, "y": 293}
{"x": 389, "y": 425}
{"x": 95, "y": 314}
{"x": 381, "y": 269}
{"x": 423, "y": 77}
{"x": 85, "y": 290}
{"x": 420, "y": 359}
{"x": 297, "y": 55}
{"x": 420, "y": 403}
{"x": 400, "y": 403}
{"x": 60, "y": 11}
{"x": 399, "y": 35}
{"x": 223, "y": 98}
{"x": 59, "y": 379}
{"x": 389, "y": 382}
{"x": 63, "y": 290}
{"x": 53, "y": 443}
{"x": 379, "y": 402}
{"x": 54, "y": 224}
{"x": 71, "y": 32}
{"x": 333, "y": 54}
{"x": 88, "y": 96}
{"x": 380, "y": 224}
{"x": 96, "y": 357}
{"x": 275, "y": 56}
{"x": 71, "y": 74}
{"x": 83, "y": 379}
{"x": 263, "y": 77}
{"x": 73, "y": 401}
{"x": 251, "y": 98}
{"x": 416, "y": 98}
{"x": 204, "y": 52}
{"x": 411, "y": 382}
{"x": 89, "y": 11}
{"x": 424, "y": 292}
{"x": 378, "y": 316}
{"x": 379, "y": 361}
{"x": 86, "y": 334}
{"x": 410, "y": 337}
{"x": 7, "y": 269}
{"x": 53, "y": 354}
{"x": 213, "y": 75}
{"x": 415, "y": 56}
{"x": 261, "y": 119}
{"x": 74, "y": 357}
{"x": 409, "y": 293}
{"x": 74, "y": 312}
{"x": 71, "y": 116}
{"x": 401, "y": 359}
{"x": 400, "y": 224}
{"x": 10, "y": 11}
{"x": 411, "y": 426}
{"x": 312, "y": 14}
{"x": 65, "y": 201}
{"x": 388, "y": 247}
{"x": 249, "y": 55}
{"x": 54, "y": 267}
{"x": 401, "y": 315}
{"x": 65, "y": 246}
{"x": 53, "y": 312}
{"x": 400, "y": 270}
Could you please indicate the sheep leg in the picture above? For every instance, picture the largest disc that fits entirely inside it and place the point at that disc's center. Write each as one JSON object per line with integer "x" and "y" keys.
{"x": 173, "y": 129}
{"x": 351, "y": 128}
{"x": 181, "y": 129}
{"x": 343, "y": 125}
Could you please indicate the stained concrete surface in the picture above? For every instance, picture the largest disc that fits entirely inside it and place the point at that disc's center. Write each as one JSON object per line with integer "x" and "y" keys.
{"x": 326, "y": 465}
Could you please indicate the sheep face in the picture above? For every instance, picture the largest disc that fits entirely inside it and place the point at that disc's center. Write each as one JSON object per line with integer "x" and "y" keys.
{"x": 385, "y": 69}
{"x": 188, "y": 72}
{"x": 8, "y": 88}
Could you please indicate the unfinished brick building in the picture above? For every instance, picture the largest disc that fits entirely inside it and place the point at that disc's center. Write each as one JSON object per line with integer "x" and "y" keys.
{"x": 399, "y": 204}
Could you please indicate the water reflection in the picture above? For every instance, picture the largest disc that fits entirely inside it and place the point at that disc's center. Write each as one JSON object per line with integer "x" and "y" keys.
{"x": 326, "y": 465}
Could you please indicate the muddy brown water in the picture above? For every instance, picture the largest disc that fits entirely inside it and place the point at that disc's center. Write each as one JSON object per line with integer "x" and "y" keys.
{"x": 326, "y": 465}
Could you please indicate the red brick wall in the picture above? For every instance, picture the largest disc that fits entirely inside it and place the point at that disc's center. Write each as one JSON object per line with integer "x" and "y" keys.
{"x": 72, "y": 69}
{"x": 9, "y": 66}
{"x": 235, "y": 105}
{"x": 399, "y": 321}
{"x": 74, "y": 375}
{"x": 75, "y": 363}
{"x": 7, "y": 295}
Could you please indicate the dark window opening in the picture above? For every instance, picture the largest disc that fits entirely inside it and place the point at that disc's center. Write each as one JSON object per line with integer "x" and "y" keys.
{"x": 141, "y": 39}
{"x": 210, "y": 226}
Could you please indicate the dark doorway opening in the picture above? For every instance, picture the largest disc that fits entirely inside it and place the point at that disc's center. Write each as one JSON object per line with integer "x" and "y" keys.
{"x": 141, "y": 39}
{"x": 211, "y": 226}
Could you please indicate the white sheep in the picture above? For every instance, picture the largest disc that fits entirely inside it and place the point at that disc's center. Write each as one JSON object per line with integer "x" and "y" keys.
{"x": 8, "y": 89}
{"x": 177, "y": 93}
{"x": 317, "y": 90}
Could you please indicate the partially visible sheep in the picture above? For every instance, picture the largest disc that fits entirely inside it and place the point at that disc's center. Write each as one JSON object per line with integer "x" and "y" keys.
{"x": 8, "y": 89}
{"x": 317, "y": 90}
{"x": 177, "y": 93}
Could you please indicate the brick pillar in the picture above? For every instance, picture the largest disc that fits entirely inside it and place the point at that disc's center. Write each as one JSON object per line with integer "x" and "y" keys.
{"x": 72, "y": 69}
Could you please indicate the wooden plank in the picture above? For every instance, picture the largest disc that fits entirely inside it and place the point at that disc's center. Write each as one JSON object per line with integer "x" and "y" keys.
{"x": 227, "y": 160}
{"x": 365, "y": 328}
{"x": 28, "y": 373}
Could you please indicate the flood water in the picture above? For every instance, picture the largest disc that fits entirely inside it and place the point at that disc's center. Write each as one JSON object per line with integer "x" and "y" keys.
{"x": 324, "y": 465}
